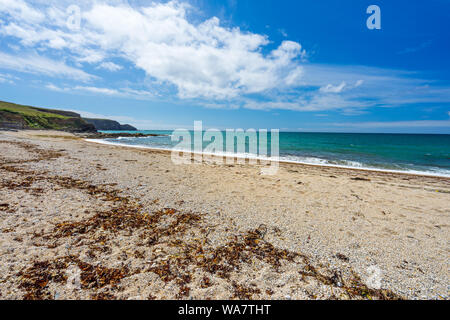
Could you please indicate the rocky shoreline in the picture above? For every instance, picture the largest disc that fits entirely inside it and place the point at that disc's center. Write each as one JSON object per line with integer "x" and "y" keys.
{"x": 102, "y": 135}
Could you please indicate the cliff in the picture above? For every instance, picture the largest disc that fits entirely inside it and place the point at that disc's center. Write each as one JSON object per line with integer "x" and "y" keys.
{"x": 104, "y": 124}
{"x": 15, "y": 116}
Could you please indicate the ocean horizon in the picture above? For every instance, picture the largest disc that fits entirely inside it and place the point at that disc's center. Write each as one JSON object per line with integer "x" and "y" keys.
{"x": 427, "y": 154}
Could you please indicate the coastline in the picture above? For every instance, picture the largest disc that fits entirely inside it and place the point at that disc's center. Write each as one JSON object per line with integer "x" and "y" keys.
{"x": 412, "y": 173}
{"x": 309, "y": 232}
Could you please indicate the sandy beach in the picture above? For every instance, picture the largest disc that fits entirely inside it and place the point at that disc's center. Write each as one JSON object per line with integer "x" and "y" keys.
{"x": 80, "y": 220}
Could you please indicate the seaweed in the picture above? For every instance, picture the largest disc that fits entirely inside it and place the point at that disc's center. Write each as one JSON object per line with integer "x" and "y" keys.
{"x": 342, "y": 257}
{"x": 103, "y": 296}
{"x": 36, "y": 278}
{"x": 96, "y": 277}
{"x": 359, "y": 179}
{"x": 242, "y": 292}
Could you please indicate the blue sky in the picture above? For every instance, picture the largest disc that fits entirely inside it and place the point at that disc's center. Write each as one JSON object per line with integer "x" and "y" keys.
{"x": 291, "y": 65}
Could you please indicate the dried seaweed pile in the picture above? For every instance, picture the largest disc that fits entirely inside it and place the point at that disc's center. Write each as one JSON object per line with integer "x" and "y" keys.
{"x": 172, "y": 244}
{"x": 35, "y": 280}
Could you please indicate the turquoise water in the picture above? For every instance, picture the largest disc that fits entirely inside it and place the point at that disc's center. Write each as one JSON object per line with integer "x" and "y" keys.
{"x": 419, "y": 153}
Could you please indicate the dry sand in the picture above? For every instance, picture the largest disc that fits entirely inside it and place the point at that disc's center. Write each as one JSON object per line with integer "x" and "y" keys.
{"x": 80, "y": 220}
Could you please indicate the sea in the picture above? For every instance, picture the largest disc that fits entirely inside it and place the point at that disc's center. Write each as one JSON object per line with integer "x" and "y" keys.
{"x": 427, "y": 154}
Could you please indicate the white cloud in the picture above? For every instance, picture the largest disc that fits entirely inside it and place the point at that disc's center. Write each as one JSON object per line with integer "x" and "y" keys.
{"x": 7, "y": 78}
{"x": 358, "y": 83}
{"x": 21, "y": 10}
{"x": 41, "y": 65}
{"x": 204, "y": 60}
{"x": 4, "y": 80}
{"x": 283, "y": 32}
{"x": 110, "y": 66}
{"x": 340, "y": 88}
{"x": 52, "y": 87}
{"x": 312, "y": 102}
{"x": 422, "y": 46}
{"x": 123, "y": 92}
{"x": 103, "y": 91}
{"x": 90, "y": 89}
{"x": 334, "y": 89}
{"x": 397, "y": 124}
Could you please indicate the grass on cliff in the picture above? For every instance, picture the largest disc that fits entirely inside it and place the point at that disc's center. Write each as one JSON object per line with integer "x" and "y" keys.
{"x": 33, "y": 117}
{"x": 28, "y": 111}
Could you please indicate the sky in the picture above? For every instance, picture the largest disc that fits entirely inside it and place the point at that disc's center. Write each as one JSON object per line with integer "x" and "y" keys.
{"x": 274, "y": 64}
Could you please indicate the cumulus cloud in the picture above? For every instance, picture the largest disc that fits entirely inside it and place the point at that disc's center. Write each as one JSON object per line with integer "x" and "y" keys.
{"x": 205, "y": 60}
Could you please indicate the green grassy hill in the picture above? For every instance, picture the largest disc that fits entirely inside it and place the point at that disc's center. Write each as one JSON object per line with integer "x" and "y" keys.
{"x": 15, "y": 116}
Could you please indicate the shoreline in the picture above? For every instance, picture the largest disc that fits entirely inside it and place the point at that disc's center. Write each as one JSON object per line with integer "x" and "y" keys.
{"x": 410, "y": 173}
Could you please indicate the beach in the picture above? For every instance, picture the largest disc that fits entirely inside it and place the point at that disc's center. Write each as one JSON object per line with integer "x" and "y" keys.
{"x": 82, "y": 220}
